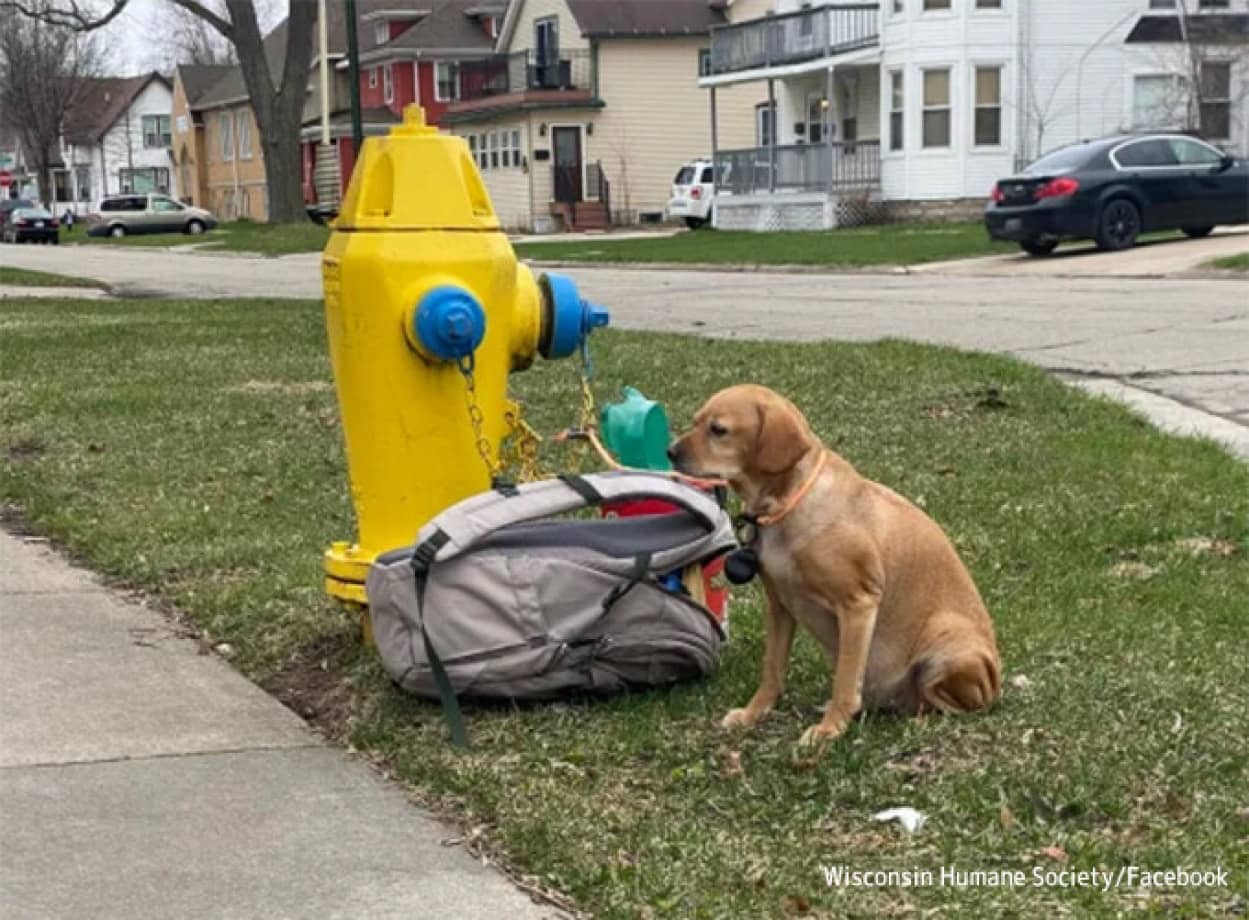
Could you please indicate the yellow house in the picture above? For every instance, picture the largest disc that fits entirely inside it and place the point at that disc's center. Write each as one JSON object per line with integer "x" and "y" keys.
{"x": 590, "y": 107}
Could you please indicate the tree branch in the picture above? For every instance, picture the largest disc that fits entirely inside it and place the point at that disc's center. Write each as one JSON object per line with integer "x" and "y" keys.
{"x": 224, "y": 26}
{"x": 69, "y": 16}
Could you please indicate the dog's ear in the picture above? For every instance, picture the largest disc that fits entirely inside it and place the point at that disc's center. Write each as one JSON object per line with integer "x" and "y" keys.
{"x": 782, "y": 437}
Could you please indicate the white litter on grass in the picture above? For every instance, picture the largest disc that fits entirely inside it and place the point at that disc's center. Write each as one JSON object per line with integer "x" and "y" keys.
{"x": 910, "y": 819}
{"x": 1020, "y": 682}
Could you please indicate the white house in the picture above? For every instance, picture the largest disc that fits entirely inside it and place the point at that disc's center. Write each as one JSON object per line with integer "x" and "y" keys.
{"x": 918, "y": 106}
{"x": 116, "y": 138}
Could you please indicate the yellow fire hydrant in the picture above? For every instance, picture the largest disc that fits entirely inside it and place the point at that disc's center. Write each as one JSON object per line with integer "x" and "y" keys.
{"x": 427, "y": 312}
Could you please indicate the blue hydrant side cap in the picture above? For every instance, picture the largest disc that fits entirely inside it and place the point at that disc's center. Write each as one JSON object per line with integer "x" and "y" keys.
{"x": 449, "y": 323}
{"x": 571, "y": 318}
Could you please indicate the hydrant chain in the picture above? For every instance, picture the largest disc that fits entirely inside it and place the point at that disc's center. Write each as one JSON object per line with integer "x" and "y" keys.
{"x": 477, "y": 420}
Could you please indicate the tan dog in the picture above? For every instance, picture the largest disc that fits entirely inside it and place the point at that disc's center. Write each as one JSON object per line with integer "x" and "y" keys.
{"x": 869, "y": 575}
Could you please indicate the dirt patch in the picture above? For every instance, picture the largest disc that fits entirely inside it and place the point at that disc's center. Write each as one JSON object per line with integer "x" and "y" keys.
{"x": 313, "y": 683}
{"x": 25, "y": 450}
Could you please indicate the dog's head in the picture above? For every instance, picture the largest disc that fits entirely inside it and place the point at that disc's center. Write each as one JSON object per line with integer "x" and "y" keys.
{"x": 743, "y": 433}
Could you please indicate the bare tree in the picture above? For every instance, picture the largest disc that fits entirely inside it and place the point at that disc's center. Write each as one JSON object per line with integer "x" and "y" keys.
{"x": 44, "y": 70}
{"x": 277, "y": 100}
{"x": 190, "y": 39}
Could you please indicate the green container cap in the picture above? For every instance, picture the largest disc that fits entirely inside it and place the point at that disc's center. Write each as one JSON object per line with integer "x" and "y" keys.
{"x": 636, "y": 431}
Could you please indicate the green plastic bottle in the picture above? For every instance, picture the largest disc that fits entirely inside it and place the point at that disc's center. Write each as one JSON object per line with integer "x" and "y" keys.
{"x": 636, "y": 431}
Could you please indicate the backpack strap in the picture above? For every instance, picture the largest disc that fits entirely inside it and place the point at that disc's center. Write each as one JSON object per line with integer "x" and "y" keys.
{"x": 475, "y": 518}
{"x": 422, "y": 557}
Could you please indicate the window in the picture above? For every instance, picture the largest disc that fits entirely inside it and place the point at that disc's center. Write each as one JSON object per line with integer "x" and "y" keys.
{"x": 897, "y": 98}
{"x": 494, "y": 149}
{"x": 447, "y": 81}
{"x": 988, "y": 120}
{"x": 83, "y": 179}
{"x": 806, "y": 25}
{"x": 144, "y": 180}
{"x": 1156, "y": 99}
{"x": 226, "y": 129}
{"x": 988, "y": 4}
{"x": 1162, "y": 4}
{"x": 481, "y": 151}
{"x": 156, "y": 131}
{"x": 899, "y": 7}
{"x": 516, "y": 158}
{"x": 165, "y": 206}
{"x": 381, "y": 33}
{"x": 243, "y": 129}
{"x": 704, "y": 62}
{"x": 1152, "y": 152}
{"x": 1194, "y": 153}
{"x": 815, "y": 117}
{"x": 764, "y": 119}
{"x": 1216, "y": 99}
{"x": 546, "y": 41}
{"x": 60, "y": 186}
{"x": 936, "y": 128}
{"x": 372, "y": 78}
{"x": 472, "y": 148}
{"x": 388, "y": 84}
{"x": 1213, "y": 4}
{"x": 930, "y": 5}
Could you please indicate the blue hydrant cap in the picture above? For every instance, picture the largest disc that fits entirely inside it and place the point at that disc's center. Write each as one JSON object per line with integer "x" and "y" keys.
{"x": 450, "y": 323}
{"x": 571, "y": 318}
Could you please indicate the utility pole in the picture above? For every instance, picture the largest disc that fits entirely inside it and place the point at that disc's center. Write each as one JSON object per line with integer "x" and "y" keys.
{"x": 353, "y": 73}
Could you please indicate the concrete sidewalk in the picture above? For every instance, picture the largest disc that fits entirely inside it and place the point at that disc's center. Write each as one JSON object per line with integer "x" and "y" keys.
{"x": 142, "y": 779}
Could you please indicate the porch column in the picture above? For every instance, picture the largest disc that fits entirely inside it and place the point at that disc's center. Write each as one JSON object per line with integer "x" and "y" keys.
{"x": 715, "y": 146}
{"x": 829, "y": 122}
{"x": 773, "y": 125}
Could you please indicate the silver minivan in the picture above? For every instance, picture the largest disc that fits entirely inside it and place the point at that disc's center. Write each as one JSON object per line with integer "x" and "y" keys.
{"x": 124, "y": 214}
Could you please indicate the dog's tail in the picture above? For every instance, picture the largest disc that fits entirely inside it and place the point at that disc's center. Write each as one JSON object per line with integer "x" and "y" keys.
{"x": 960, "y": 673}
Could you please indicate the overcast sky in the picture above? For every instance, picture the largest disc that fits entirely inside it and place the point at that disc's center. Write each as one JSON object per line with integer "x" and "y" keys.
{"x": 136, "y": 37}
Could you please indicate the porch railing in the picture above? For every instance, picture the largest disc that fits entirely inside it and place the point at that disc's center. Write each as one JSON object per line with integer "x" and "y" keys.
{"x": 525, "y": 70}
{"x": 794, "y": 37}
{"x": 843, "y": 166}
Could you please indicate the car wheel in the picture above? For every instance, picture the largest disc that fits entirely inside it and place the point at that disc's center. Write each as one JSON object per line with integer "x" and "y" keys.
{"x": 1197, "y": 233}
{"x": 695, "y": 222}
{"x": 195, "y": 227}
{"x": 117, "y": 232}
{"x": 1119, "y": 225}
{"x": 1038, "y": 247}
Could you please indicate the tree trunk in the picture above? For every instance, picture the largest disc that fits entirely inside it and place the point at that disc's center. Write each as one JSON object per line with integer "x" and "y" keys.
{"x": 283, "y": 169}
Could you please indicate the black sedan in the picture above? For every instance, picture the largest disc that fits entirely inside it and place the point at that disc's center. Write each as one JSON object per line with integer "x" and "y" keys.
{"x": 33, "y": 225}
{"x": 1114, "y": 189}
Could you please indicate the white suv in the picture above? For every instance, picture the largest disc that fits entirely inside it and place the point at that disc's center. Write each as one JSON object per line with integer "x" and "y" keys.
{"x": 692, "y": 191}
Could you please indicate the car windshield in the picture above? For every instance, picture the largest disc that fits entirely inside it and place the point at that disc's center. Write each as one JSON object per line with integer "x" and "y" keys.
{"x": 33, "y": 213}
{"x": 1066, "y": 160}
{"x": 685, "y": 175}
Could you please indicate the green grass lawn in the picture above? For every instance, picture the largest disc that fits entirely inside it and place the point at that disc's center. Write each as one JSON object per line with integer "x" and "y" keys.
{"x": 234, "y": 236}
{"x": 890, "y": 244}
{"x": 1238, "y": 263}
{"x": 193, "y": 450}
{"x": 27, "y": 278}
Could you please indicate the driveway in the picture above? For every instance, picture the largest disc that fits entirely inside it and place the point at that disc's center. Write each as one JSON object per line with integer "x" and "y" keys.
{"x": 1151, "y": 259}
{"x": 1183, "y": 339}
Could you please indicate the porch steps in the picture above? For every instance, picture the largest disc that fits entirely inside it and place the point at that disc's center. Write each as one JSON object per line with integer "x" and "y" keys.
{"x": 581, "y": 215}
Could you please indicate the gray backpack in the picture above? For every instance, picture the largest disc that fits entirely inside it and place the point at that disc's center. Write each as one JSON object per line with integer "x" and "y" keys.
{"x": 497, "y": 600}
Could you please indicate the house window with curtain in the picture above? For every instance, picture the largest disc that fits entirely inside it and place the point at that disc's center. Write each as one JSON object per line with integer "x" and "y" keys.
{"x": 931, "y": 5}
{"x": 226, "y": 128}
{"x": 936, "y": 122}
{"x": 83, "y": 179}
{"x": 1216, "y": 99}
{"x": 388, "y": 84}
{"x": 1156, "y": 99}
{"x": 447, "y": 81}
{"x": 156, "y": 131}
{"x": 988, "y": 120}
{"x": 897, "y": 98}
{"x": 244, "y": 130}
{"x": 381, "y": 33}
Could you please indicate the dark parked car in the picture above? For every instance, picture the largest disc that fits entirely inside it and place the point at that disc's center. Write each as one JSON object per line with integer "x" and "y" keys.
{"x": 31, "y": 225}
{"x": 9, "y": 205}
{"x": 1114, "y": 189}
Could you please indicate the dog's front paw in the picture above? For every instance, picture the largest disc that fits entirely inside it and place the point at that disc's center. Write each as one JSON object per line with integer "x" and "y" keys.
{"x": 741, "y": 718}
{"x": 819, "y": 735}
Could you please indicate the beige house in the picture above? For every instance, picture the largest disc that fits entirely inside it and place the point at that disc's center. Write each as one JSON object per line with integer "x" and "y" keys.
{"x": 589, "y": 107}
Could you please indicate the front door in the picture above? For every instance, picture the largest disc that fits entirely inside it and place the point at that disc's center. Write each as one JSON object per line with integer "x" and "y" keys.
{"x": 567, "y": 144}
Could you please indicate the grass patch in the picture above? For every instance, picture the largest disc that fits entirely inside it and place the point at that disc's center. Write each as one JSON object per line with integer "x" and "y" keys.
{"x": 193, "y": 449}
{"x": 891, "y": 244}
{"x": 1239, "y": 263}
{"x": 26, "y": 278}
{"x": 235, "y": 236}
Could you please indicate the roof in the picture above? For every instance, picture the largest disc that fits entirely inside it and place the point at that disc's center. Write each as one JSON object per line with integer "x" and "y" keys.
{"x": 101, "y": 101}
{"x": 1205, "y": 28}
{"x": 450, "y": 25}
{"x": 198, "y": 79}
{"x": 645, "y": 18}
{"x": 381, "y": 116}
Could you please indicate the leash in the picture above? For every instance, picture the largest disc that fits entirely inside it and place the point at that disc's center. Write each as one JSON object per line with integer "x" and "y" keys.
{"x": 588, "y": 434}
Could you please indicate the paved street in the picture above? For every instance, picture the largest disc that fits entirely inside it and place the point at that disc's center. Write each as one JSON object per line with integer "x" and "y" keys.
{"x": 1185, "y": 338}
